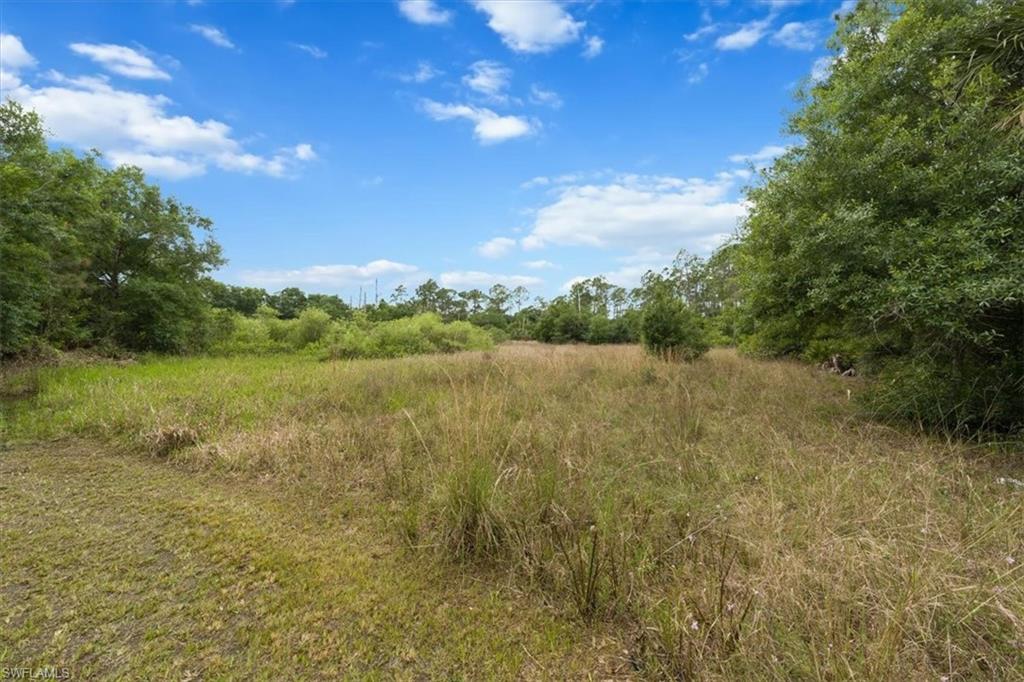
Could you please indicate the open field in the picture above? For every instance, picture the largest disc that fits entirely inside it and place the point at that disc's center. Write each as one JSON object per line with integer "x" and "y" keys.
{"x": 533, "y": 512}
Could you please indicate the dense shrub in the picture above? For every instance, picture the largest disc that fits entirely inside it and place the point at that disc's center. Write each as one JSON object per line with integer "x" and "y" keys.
{"x": 890, "y": 236}
{"x": 311, "y": 326}
{"x": 671, "y": 330}
{"x": 424, "y": 333}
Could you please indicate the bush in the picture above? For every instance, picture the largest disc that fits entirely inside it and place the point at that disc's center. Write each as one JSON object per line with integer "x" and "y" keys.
{"x": 406, "y": 336}
{"x": 965, "y": 395}
{"x": 236, "y": 334}
{"x": 671, "y": 330}
{"x": 311, "y": 326}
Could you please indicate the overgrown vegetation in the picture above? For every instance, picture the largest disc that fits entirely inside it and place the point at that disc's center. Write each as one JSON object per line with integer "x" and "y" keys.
{"x": 90, "y": 256}
{"x": 891, "y": 235}
{"x": 727, "y": 519}
{"x": 315, "y": 331}
{"x": 886, "y": 241}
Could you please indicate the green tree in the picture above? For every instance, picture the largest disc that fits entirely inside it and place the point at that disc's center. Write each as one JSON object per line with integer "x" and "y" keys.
{"x": 288, "y": 302}
{"x": 893, "y": 234}
{"x": 672, "y": 330}
{"x": 44, "y": 197}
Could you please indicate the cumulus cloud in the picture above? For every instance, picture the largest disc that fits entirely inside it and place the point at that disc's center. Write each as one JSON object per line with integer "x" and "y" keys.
{"x": 746, "y": 36}
{"x": 638, "y": 209}
{"x": 329, "y": 275}
{"x": 765, "y": 153}
{"x": 13, "y": 54}
{"x": 537, "y": 26}
{"x": 423, "y": 73}
{"x": 461, "y": 279}
{"x": 213, "y": 34}
{"x": 121, "y": 60}
{"x": 592, "y": 46}
{"x": 489, "y": 78}
{"x": 13, "y": 59}
{"x": 538, "y": 264}
{"x": 550, "y": 98}
{"x": 496, "y": 248}
{"x": 488, "y": 127}
{"x": 312, "y": 50}
{"x": 424, "y": 12}
{"x": 797, "y": 35}
{"x": 136, "y": 128}
{"x": 162, "y": 165}
{"x": 304, "y": 152}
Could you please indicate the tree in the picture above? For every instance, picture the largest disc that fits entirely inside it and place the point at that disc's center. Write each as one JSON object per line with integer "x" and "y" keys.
{"x": 288, "y": 302}
{"x": 44, "y": 197}
{"x": 474, "y": 300}
{"x": 892, "y": 237}
{"x": 498, "y": 298}
{"x": 399, "y": 295}
{"x": 672, "y": 330}
{"x": 330, "y": 304}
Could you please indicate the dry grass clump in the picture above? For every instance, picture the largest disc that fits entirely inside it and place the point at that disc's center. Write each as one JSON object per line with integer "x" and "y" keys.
{"x": 727, "y": 518}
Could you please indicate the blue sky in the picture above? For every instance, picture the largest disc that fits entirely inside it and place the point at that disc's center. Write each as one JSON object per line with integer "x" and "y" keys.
{"x": 475, "y": 142}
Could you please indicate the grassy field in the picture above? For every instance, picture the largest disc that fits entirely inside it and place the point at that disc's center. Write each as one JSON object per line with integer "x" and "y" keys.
{"x": 532, "y": 512}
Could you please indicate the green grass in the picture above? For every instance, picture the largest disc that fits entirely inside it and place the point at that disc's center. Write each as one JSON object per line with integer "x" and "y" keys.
{"x": 723, "y": 519}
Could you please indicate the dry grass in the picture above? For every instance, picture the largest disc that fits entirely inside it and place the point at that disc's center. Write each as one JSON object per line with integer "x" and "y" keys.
{"x": 723, "y": 519}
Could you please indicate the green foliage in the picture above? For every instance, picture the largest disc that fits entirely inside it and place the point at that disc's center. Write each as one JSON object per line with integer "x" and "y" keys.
{"x": 311, "y": 326}
{"x": 893, "y": 233}
{"x": 93, "y": 256}
{"x": 425, "y": 333}
{"x": 562, "y": 322}
{"x": 672, "y": 330}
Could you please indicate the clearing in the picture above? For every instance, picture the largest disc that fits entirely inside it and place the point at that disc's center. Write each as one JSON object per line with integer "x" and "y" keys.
{"x": 535, "y": 512}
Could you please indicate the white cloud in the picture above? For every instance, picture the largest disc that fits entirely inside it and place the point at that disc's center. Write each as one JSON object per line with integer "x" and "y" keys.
{"x": 423, "y": 73}
{"x": 312, "y": 50}
{"x": 213, "y": 34}
{"x": 13, "y": 55}
{"x": 121, "y": 60}
{"x": 747, "y": 36}
{"x": 538, "y": 264}
{"x": 821, "y": 68}
{"x": 330, "y": 275}
{"x": 304, "y": 152}
{"x": 136, "y": 128}
{"x": 13, "y": 58}
{"x": 846, "y": 7}
{"x": 537, "y": 26}
{"x": 496, "y": 248}
{"x": 550, "y": 98}
{"x": 765, "y": 153}
{"x": 797, "y": 35}
{"x": 163, "y": 165}
{"x": 424, "y": 12}
{"x": 488, "y": 78}
{"x": 461, "y": 279}
{"x": 488, "y": 128}
{"x": 700, "y": 33}
{"x": 539, "y": 181}
{"x": 592, "y": 46}
{"x": 698, "y": 74}
{"x": 637, "y": 210}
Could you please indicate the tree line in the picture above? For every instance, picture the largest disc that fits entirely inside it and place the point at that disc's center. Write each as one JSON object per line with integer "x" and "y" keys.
{"x": 888, "y": 239}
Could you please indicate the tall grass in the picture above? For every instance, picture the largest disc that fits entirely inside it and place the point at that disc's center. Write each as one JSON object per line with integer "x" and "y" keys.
{"x": 724, "y": 519}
